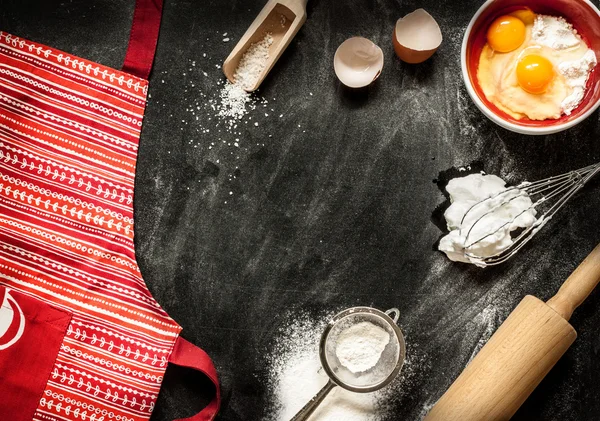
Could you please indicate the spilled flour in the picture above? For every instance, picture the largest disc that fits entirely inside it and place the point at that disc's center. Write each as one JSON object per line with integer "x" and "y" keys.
{"x": 296, "y": 375}
{"x": 483, "y": 327}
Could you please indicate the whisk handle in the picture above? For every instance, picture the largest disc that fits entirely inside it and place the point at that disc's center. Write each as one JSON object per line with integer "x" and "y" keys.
{"x": 578, "y": 286}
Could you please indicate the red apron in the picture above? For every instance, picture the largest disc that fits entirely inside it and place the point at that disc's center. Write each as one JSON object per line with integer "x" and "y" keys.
{"x": 81, "y": 337}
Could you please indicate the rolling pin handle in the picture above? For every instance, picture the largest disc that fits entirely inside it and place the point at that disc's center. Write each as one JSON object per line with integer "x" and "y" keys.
{"x": 578, "y": 286}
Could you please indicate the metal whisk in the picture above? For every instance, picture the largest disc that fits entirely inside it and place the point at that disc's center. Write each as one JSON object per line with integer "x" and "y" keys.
{"x": 559, "y": 188}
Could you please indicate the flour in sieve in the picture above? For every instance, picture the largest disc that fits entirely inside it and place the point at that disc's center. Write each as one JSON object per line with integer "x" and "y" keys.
{"x": 359, "y": 347}
{"x": 296, "y": 375}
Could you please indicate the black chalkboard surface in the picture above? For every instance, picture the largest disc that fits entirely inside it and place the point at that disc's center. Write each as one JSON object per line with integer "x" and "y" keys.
{"x": 332, "y": 204}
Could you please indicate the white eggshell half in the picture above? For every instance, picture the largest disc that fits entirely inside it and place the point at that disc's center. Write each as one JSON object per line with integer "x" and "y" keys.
{"x": 358, "y": 62}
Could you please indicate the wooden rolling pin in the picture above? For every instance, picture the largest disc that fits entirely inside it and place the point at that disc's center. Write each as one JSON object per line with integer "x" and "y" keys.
{"x": 518, "y": 356}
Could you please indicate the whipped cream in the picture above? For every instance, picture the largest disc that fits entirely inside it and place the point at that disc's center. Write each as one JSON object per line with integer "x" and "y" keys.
{"x": 481, "y": 228}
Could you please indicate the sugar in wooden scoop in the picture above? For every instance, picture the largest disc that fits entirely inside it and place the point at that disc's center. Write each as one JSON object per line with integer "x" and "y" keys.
{"x": 253, "y": 63}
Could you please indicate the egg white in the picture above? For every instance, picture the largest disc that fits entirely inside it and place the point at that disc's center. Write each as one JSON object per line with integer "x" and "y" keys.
{"x": 497, "y": 75}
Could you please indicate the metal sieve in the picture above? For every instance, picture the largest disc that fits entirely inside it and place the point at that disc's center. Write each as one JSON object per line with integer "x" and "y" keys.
{"x": 386, "y": 369}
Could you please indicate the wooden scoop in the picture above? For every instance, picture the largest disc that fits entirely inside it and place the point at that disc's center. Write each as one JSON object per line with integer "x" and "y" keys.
{"x": 282, "y": 19}
{"x": 521, "y": 352}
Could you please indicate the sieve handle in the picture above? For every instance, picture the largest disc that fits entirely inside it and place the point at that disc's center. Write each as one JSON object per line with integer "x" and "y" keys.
{"x": 310, "y": 407}
{"x": 394, "y": 314}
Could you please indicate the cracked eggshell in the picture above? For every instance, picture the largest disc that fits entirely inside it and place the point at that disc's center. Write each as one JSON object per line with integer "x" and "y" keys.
{"x": 416, "y": 37}
{"x": 358, "y": 62}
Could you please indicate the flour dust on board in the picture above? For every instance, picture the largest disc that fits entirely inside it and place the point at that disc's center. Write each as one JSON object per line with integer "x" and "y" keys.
{"x": 223, "y": 124}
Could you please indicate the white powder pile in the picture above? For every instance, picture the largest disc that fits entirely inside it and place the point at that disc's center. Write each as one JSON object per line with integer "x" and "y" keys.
{"x": 576, "y": 73}
{"x": 253, "y": 62}
{"x": 359, "y": 347}
{"x": 233, "y": 102}
{"x": 296, "y": 375}
{"x": 555, "y": 32}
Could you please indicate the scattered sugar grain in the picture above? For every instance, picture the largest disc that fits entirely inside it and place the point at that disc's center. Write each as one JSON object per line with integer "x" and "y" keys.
{"x": 233, "y": 102}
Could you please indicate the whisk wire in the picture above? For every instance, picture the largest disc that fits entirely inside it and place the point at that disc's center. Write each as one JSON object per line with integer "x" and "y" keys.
{"x": 563, "y": 186}
{"x": 492, "y": 210}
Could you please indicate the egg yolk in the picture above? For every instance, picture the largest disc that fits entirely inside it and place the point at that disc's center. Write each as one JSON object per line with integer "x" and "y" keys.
{"x": 534, "y": 73}
{"x": 506, "y": 34}
{"x": 526, "y": 15}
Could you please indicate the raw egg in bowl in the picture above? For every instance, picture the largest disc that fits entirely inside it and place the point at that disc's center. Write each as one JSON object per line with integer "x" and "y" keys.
{"x": 525, "y": 72}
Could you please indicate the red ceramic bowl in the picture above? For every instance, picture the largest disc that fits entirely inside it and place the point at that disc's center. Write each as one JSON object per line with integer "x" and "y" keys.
{"x": 585, "y": 18}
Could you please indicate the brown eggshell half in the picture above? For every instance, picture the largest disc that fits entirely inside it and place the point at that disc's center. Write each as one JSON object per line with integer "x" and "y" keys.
{"x": 416, "y": 37}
